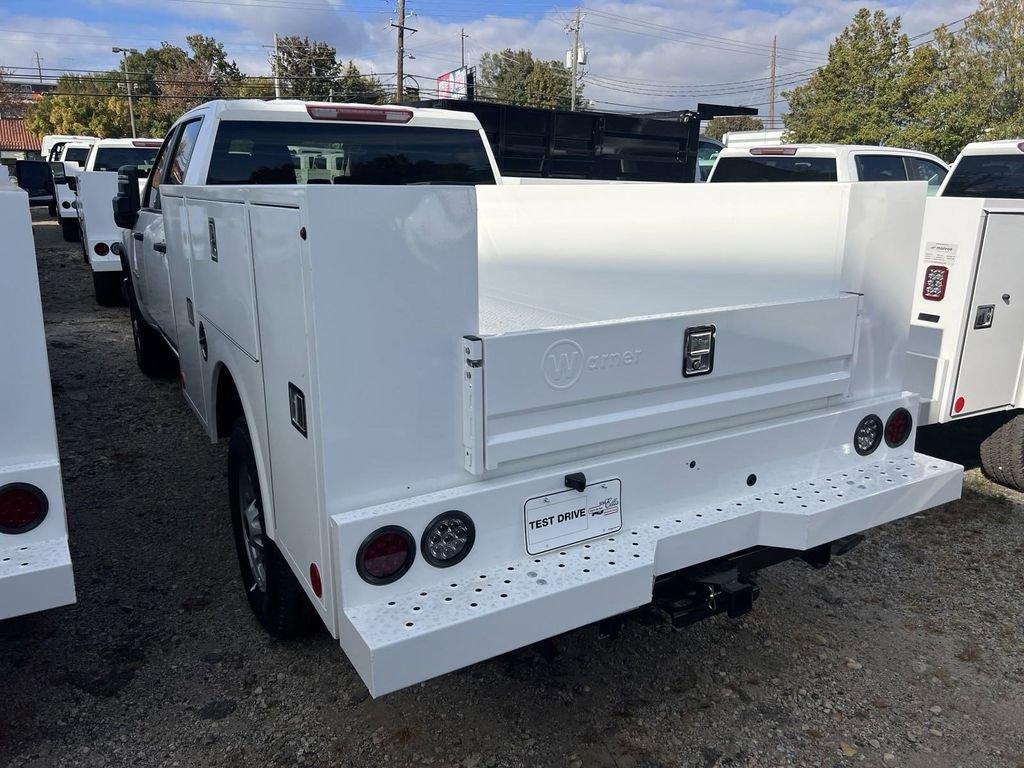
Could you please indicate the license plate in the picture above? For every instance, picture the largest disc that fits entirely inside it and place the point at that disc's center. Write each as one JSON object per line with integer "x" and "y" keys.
{"x": 569, "y": 517}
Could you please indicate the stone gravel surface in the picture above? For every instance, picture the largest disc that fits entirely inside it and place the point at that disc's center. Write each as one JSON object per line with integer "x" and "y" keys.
{"x": 907, "y": 652}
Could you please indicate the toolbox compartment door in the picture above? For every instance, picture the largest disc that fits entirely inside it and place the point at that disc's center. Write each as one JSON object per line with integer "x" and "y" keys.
{"x": 543, "y": 391}
{"x": 991, "y": 361}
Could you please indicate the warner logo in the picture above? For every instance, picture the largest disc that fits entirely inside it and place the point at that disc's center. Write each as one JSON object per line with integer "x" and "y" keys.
{"x": 564, "y": 362}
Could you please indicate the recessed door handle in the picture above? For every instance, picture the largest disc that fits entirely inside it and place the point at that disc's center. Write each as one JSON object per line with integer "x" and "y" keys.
{"x": 138, "y": 236}
{"x": 160, "y": 247}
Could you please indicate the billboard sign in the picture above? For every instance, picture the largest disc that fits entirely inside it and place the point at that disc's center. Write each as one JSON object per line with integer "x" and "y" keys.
{"x": 452, "y": 85}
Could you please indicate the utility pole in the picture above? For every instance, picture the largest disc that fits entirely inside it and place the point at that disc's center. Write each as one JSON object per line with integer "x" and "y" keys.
{"x": 771, "y": 89}
{"x": 277, "y": 67}
{"x": 39, "y": 66}
{"x": 575, "y": 57}
{"x": 400, "y": 64}
{"x": 462, "y": 40}
{"x": 127, "y": 82}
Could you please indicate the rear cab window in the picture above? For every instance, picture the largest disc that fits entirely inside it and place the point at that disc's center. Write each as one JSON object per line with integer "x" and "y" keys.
{"x": 880, "y": 168}
{"x": 987, "y": 176}
{"x": 77, "y": 155}
{"x": 284, "y": 152}
{"x": 775, "y": 168}
{"x": 112, "y": 158}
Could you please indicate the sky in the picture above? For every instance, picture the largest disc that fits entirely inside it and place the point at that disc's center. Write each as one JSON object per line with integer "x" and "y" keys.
{"x": 658, "y": 54}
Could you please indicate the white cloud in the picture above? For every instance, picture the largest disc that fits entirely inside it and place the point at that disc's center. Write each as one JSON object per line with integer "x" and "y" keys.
{"x": 656, "y": 68}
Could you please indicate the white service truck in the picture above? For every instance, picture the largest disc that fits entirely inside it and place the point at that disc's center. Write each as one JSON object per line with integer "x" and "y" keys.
{"x": 35, "y": 564}
{"x": 967, "y": 322}
{"x": 94, "y": 188}
{"x": 464, "y": 417}
{"x": 70, "y": 161}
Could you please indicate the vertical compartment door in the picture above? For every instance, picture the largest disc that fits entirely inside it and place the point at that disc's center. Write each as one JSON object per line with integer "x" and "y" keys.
{"x": 284, "y": 338}
{"x": 990, "y": 364}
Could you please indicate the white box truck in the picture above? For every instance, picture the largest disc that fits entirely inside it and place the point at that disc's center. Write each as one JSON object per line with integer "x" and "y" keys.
{"x": 967, "y": 322}
{"x": 94, "y": 188}
{"x": 464, "y": 417}
{"x": 35, "y": 564}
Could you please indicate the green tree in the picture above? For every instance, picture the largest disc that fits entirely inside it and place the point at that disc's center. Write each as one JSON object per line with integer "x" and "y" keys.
{"x": 354, "y": 86}
{"x": 517, "y": 77}
{"x": 308, "y": 69}
{"x": 93, "y": 105}
{"x": 719, "y": 126}
{"x": 858, "y": 97}
{"x": 10, "y": 102}
{"x": 996, "y": 34}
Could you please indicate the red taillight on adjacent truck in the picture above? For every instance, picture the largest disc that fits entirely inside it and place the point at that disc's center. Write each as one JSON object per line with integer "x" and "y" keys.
{"x": 898, "y": 427}
{"x": 935, "y": 278}
{"x": 101, "y": 249}
{"x": 359, "y": 114}
{"x": 22, "y": 507}
{"x": 385, "y": 555}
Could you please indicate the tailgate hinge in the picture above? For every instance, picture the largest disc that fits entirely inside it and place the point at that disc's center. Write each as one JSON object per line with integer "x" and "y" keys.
{"x": 473, "y": 403}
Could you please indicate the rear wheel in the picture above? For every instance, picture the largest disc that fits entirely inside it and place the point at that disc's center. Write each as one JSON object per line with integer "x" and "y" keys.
{"x": 69, "y": 230}
{"x": 274, "y": 593}
{"x": 152, "y": 354}
{"x": 107, "y": 286}
{"x": 1002, "y": 454}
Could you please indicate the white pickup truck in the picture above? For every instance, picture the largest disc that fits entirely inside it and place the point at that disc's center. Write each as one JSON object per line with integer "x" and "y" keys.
{"x": 827, "y": 162}
{"x": 94, "y": 187}
{"x": 35, "y": 565}
{"x": 68, "y": 161}
{"x": 967, "y": 334}
{"x": 465, "y": 416}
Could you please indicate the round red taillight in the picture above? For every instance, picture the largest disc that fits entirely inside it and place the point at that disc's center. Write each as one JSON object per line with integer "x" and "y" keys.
{"x": 22, "y": 507}
{"x": 385, "y": 555}
{"x": 65, "y": 204}
{"x": 898, "y": 427}
{"x": 315, "y": 581}
{"x": 101, "y": 249}
{"x": 959, "y": 405}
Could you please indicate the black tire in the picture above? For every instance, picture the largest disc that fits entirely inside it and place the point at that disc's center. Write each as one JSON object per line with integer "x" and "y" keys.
{"x": 152, "y": 354}
{"x": 107, "y": 286}
{"x": 1002, "y": 454}
{"x": 69, "y": 230}
{"x": 275, "y": 595}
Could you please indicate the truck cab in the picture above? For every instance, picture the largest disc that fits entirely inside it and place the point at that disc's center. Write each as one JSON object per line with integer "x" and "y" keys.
{"x": 94, "y": 188}
{"x": 827, "y": 162}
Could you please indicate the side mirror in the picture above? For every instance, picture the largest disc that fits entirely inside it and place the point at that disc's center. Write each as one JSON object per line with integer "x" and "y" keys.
{"x": 57, "y": 170}
{"x": 127, "y": 201}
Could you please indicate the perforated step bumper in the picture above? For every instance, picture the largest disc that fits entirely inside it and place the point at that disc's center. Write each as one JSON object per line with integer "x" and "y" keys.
{"x": 35, "y": 576}
{"x": 412, "y": 637}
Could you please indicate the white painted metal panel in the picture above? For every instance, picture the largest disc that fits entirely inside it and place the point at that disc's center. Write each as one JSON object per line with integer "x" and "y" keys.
{"x": 281, "y": 267}
{"x": 222, "y": 269}
{"x": 35, "y": 567}
{"x": 96, "y": 190}
{"x": 989, "y": 372}
{"x": 552, "y": 390}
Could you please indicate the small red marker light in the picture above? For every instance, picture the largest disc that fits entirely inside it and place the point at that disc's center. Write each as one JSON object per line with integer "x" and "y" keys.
{"x": 959, "y": 404}
{"x": 101, "y": 249}
{"x": 314, "y": 580}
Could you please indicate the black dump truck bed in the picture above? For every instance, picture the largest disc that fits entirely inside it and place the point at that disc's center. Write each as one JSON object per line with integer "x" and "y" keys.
{"x": 553, "y": 143}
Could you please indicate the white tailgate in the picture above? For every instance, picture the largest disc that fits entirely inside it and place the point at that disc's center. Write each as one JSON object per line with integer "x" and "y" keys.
{"x": 538, "y": 392}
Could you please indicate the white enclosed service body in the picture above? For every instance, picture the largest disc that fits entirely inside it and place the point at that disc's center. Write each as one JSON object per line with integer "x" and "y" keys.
{"x": 403, "y": 353}
{"x": 35, "y": 565}
{"x": 63, "y": 194}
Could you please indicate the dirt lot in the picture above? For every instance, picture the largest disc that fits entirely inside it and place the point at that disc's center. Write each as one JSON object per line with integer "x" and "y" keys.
{"x": 907, "y": 652}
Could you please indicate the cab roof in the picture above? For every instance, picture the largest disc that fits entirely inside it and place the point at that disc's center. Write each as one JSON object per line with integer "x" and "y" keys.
{"x": 139, "y": 142}
{"x": 1001, "y": 147}
{"x": 825, "y": 150}
{"x": 294, "y": 110}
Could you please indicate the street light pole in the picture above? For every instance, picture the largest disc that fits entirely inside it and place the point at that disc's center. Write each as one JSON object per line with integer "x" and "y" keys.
{"x": 127, "y": 82}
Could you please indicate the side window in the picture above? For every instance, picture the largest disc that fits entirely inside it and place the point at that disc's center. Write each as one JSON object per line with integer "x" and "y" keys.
{"x": 919, "y": 169}
{"x": 183, "y": 152}
{"x": 881, "y": 168}
{"x": 151, "y": 198}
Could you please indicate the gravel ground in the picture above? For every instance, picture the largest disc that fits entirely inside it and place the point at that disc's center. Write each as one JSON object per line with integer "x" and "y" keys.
{"x": 907, "y": 652}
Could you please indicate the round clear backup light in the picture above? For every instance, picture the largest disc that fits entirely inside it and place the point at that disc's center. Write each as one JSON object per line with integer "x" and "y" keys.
{"x": 867, "y": 435}
{"x": 448, "y": 539}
